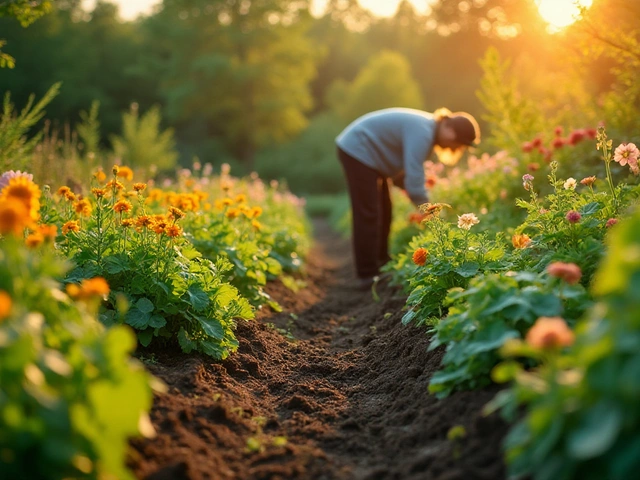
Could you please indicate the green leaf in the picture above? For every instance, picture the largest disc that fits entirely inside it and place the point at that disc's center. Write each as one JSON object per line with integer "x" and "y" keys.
{"x": 597, "y": 431}
{"x": 225, "y": 295}
{"x": 137, "y": 319}
{"x": 198, "y": 298}
{"x": 116, "y": 264}
{"x": 467, "y": 269}
{"x": 157, "y": 321}
{"x": 145, "y": 337}
{"x": 212, "y": 327}
{"x": 591, "y": 208}
{"x": 145, "y": 305}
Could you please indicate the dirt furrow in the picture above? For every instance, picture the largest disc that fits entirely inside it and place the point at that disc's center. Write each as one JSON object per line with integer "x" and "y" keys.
{"x": 333, "y": 387}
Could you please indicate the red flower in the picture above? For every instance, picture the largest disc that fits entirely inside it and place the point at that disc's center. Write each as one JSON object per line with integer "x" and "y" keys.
{"x": 558, "y": 142}
{"x": 527, "y": 147}
{"x": 420, "y": 256}
{"x": 569, "y": 272}
{"x": 572, "y": 216}
{"x": 575, "y": 137}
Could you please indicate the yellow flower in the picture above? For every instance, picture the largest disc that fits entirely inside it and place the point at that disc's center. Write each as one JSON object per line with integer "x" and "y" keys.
{"x": 5, "y": 305}
{"x": 24, "y": 190}
{"x": 256, "y": 212}
{"x": 241, "y": 198}
{"x": 176, "y": 213}
{"x": 115, "y": 169}
{"x": 114, "y": 184}
{"x": 138, "y": 187}
{"x": 257, "y": 226}
{"x": 227, "y": 201}
{"x": 122, "y": 206}
{"x": 155, "y": 195}
{"x": 63, "y": 191}
{"x": 88, "y": 288}
{"x": 34, "y": 240}
{"x": 126, "y": 222}
{"x": 49, "y": 232}
{"x": 99, "y": 192}
{"x": 232, "y": 213}
{"x": 83, "y": 207}
{"x": 14, "y": 217}
{"x": 143, "y": 221}
{"x": 125, "y": 172}
{"x": 70, "y": 226}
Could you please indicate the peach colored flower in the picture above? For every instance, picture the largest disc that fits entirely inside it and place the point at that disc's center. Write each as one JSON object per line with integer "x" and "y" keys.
{"x": 569, "y": 272}
{"x": 611, "y": 222}
{"x": 420, "y": 256}
{"x": 588, "y": 181}
{"x": 550, "y": 333}
{"x": 570, "y": 184}
{"x": 467, "y": 220}
{"x": 626, "y": 153}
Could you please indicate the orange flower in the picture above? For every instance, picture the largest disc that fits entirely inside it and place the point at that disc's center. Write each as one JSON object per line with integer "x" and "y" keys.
{"x": 176, "y": 213}
{"x": 520, "y": 240}
{"x": 34, "y": 240}
{"x": 569, "y": 272}
{"x": 588, "y": 181}
{"x": 227, "y": 201}
{"x": 63, "y": 191}
{"x": 100, "y": 176}
{"x": 122, "y": 206}
{"x": 115, "y": 169}
{"x": 83, "y": 207}
{"x": 24, "y": 190}
{"x": 173, "y": 231}
{"x": 114, "y": 184}
{"x": 14, "y": 217}
{"x": 241, "y": 198}
{"x": 5, "y": 305}
{"x": 143, "y": 221}
{"x": 232, "y": 213}
{"x": 256, "y": 212}
{"x": 125, "y": 172}
{"x": 99, "y": 192}
{"x": 159, "y": 225}
{"x": 420, "y": 256}
{"x": 70, "y": 226}
{"x": 126, "y": 222}
{"x": 138, "y": 187}
{"x": 550, "y": 333}
{"x": 88, "y": 288}
{"x": 49, "y": 232}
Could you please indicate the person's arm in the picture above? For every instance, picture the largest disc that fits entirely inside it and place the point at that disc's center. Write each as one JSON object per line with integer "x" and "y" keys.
{"x": 416, "y": 146}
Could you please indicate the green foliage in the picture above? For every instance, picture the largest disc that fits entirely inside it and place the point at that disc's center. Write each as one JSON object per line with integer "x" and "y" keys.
{"x": 581, "y": 408}
{"x": 71, "y": 395}
{"x": 455, "y": 255}
{"x": 386, "y": 81}
{"x": 494, "y": 309}
{"x": 15, "y": 146}
{"x": 142, "y": 144}
{"x": 25, "y": 11}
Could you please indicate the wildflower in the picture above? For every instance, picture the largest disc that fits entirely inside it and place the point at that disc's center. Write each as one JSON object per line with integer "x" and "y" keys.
{"x": 122, "y": 206}
{"x": 14, "y": 217}
{"x": 576, "y": 137}
{"x": 536, "y": 142}
{"x": 420, "y": 256}
{"x": 126, "y": 222}
{"x": 558, "y": 142}
{"x": 256, "y": 211}
{"x": 70, "y": 226}
{"x": 92, "y": 287}
{"x": 49, "y": 232}
{"x": 591, "y": 133}
{"x": 572, "y": 216}
{"x": 63, "y": 191}
{"x": 115, "y": 169}
{"x": 34, "y": 240}
{"x": 99, "y": 192}
{"x": 25, "y": 191}
{"x": 550, "y": 333}
{"x": 176, "y": 213}
{"x": 232, "y": 213}
{"x": 527, "y": 180}
{"x": 227, "y": 201}
{"x": 100, "y": 176}
{"x": 126, "y": 173}
{"x": 8, "y": 175}
{"x": 467, "y": 220}
{"x": 83, "y": 207}
{"x": 155, "y": 195}
{"x": 139, "y": 187}
{"x": 558, "y": 131}
{"x": 431, "y": 210}
{"x": 115, "y": 185}
{"x": 626, "y": 153}
{"x": 611, "y": 222}
{"x": 257, "y": 226}
{"x": 520, "y": 240}
{"x": 527, "y": 147}
{"x": 569, "y": 272}
{"x": 173, "y": 231}
{"x": 570, "y": 184}
{"x": 143, "y": 221}
{"x": 588, "y": 181}
{"x": 159, "y": 225}
{"x": 5, "y": 305}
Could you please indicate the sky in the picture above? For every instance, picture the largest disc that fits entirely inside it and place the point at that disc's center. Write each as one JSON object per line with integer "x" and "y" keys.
{"x": 129, "y": 9}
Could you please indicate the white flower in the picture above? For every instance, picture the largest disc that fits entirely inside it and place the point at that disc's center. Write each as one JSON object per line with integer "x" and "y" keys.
{"x": 467, "y": 220}
{"x": 570, "y": 184}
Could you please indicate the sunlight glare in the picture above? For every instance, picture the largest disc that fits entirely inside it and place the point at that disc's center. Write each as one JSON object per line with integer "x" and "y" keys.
{"x": 561, "y": 13}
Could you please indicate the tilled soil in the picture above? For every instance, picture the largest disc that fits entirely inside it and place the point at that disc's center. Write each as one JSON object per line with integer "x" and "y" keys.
{"x": 332, "y": 387}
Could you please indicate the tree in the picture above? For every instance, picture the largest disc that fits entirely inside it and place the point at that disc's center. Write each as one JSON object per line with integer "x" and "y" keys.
{"x": 26, "y": 12}
{"x": 386, "y": 81}
{"x": 240, "y": 70}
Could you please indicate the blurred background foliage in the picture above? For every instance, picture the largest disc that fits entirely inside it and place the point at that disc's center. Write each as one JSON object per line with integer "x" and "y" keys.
{"x": 266, "y": 86}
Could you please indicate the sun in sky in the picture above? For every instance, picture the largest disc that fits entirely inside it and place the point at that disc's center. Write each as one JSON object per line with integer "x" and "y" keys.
{"x": 561, "y": 13}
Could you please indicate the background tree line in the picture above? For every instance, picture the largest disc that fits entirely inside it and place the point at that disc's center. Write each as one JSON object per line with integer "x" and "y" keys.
{"x": 266, "y": 86}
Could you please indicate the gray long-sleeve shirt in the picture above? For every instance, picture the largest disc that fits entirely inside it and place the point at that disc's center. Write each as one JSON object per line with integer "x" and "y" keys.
{"x": 393, "y": 141}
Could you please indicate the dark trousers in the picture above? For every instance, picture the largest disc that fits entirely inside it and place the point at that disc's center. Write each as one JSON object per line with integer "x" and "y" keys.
{"x": 371, "y": 215}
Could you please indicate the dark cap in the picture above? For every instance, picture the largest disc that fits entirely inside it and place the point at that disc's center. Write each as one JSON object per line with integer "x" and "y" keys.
{"x": 466, "y": 128}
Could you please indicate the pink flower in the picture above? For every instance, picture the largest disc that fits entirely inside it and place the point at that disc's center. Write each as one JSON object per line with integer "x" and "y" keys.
{"x": 626, "y": 153}
{"x": 526, "y": 181}
{"x": 569, "y": 272}
{"x": 573, "y": 216}
{"x": 8, "y": 175}
{"x": 611, "y": 222}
